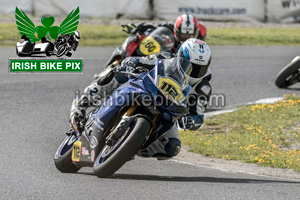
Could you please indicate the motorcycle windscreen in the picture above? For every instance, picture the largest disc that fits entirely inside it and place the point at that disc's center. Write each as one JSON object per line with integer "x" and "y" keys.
{"x": 175, "y": 79}
{"x": 160, "y": 40}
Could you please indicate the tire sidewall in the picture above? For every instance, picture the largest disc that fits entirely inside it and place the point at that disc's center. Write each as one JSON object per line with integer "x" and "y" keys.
{"x": 288, "y": 70}
{"x": 128, "y": 148}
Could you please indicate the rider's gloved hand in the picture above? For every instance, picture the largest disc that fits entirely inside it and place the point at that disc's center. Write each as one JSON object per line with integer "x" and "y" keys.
{"x": 186, "y": 122}
{"x": 131, "y": 28}
{"x": 191, "y": 122}
{"x": 129, "y": 64}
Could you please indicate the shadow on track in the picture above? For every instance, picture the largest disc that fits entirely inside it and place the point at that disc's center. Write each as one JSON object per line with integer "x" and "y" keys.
{"x": 293, "y": 89}
{"x": 194, "y": 179}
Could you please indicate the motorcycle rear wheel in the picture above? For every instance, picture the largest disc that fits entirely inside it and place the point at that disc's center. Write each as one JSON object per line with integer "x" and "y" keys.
{"x": 286, "y": 73}
{"x": 110, "y": 159}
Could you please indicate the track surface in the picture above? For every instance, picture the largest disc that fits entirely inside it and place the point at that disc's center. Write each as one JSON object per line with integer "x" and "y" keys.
{"x": 34, "y": 110}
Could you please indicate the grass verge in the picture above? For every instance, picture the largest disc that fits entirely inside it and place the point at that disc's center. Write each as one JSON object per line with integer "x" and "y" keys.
{"x": 266, "y": 134}
{"x": 102, "y": 35}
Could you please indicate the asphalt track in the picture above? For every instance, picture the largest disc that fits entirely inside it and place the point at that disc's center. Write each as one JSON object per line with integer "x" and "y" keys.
{"x": 34, "y": 110}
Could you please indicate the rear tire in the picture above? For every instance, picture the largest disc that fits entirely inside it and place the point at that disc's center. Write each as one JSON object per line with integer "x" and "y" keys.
{"x": 49, "y": 49}
{"x": 289, "y": 70}
{"x": 64, "y": 163}
{"x": 129, "y": 146}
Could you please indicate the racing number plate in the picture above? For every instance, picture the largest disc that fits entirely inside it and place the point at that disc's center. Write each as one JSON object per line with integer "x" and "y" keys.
{"x": 170, "y": 88}
{"x": 149, "y": 46}
{"x": 76, "y": 151}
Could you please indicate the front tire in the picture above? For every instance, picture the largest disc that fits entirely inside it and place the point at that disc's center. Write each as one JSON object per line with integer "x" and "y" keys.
{"x": 61, "y": 51}
{"x": 109, "y": 162}
{"x": 64, "y": 162}
{"x": 283, "y": 79}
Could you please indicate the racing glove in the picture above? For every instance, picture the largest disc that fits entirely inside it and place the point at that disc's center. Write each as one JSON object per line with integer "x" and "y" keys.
{"x": 130, "y": 28}
{"x": 191, "y": 122}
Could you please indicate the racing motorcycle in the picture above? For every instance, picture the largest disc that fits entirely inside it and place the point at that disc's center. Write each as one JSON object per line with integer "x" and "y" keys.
{"x": 63, "y": 49}
{"x": 64, "y": 46}
{"x": 142, "y": 44}
{"x": 129, "y": 120}
{"x": 289, "y": 75}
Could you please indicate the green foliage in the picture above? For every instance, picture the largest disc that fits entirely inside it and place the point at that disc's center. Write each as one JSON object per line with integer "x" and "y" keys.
{"x": 266, "y": 134}
{"x": 253, "y": 36}
{"x": 103, "y": 35}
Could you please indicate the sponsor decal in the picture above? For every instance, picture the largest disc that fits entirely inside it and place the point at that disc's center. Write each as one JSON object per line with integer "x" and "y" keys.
{"x": 93, "y": 156}
{"x": 213, "y": 11}
{"x": 84, "y": 151}
{"x": 93, "y": 142}
{"x": 199, "y": 42}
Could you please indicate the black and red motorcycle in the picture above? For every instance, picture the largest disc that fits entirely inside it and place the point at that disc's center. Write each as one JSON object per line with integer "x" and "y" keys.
{"x": 143, "y": 44}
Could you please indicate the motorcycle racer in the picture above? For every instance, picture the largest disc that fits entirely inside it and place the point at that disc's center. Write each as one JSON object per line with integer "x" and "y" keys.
{"x": 185, "y": 26}
{"x": 71, "y": 39}
{"x": 194, "y": 50}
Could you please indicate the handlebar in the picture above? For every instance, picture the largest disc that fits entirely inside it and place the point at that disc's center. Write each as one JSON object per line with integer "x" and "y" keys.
{"x": 126, "y": 73}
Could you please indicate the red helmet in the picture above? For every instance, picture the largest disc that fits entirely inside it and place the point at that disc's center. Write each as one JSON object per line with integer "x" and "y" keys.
{"x": 186, "y": 26}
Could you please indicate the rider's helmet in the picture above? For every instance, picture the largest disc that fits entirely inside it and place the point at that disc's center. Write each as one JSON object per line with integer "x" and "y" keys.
{"x": 199, "y": 54}
{"x": 186, "y": 26}
{"x": 77, "y": 35}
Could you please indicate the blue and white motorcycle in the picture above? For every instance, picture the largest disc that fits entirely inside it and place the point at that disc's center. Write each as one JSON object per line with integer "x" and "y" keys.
{"x": 129, "y": 120}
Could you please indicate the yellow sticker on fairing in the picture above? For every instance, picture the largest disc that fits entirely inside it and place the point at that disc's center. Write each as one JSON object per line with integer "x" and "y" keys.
{"x": 76, "y": 151}
{"x": 170, "y": 88}
{"x": 149, "y": 46}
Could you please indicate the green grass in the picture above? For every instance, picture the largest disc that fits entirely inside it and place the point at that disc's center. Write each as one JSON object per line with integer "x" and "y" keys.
{"x": 268, "y": 135}
{"x": 253, "y": 36}
{"x": 103, "y": 35}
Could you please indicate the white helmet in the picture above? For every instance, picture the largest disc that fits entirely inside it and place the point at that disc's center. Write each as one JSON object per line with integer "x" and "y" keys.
{"x": 199, "y": 54}
{"x": 77, "y": 35}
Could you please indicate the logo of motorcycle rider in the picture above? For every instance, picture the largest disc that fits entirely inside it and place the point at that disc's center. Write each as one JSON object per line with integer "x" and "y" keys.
{"x": 55, "y": 40}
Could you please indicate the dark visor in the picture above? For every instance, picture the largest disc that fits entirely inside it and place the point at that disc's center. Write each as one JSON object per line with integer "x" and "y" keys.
{"x": 199, "y": 70}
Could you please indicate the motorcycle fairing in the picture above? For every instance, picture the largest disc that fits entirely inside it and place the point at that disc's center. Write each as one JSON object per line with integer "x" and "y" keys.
{"x": 145, "y": 84}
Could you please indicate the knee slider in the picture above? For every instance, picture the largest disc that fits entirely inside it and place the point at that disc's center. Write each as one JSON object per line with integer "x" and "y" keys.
{"x": 173, "y": 147}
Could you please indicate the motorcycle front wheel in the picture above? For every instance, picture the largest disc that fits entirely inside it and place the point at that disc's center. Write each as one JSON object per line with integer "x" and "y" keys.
{"x": 113, "y": 157}
{"x": 63, "y": 156}
{"x": 287, "y": 75}
{"x": 61, "y": 51}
